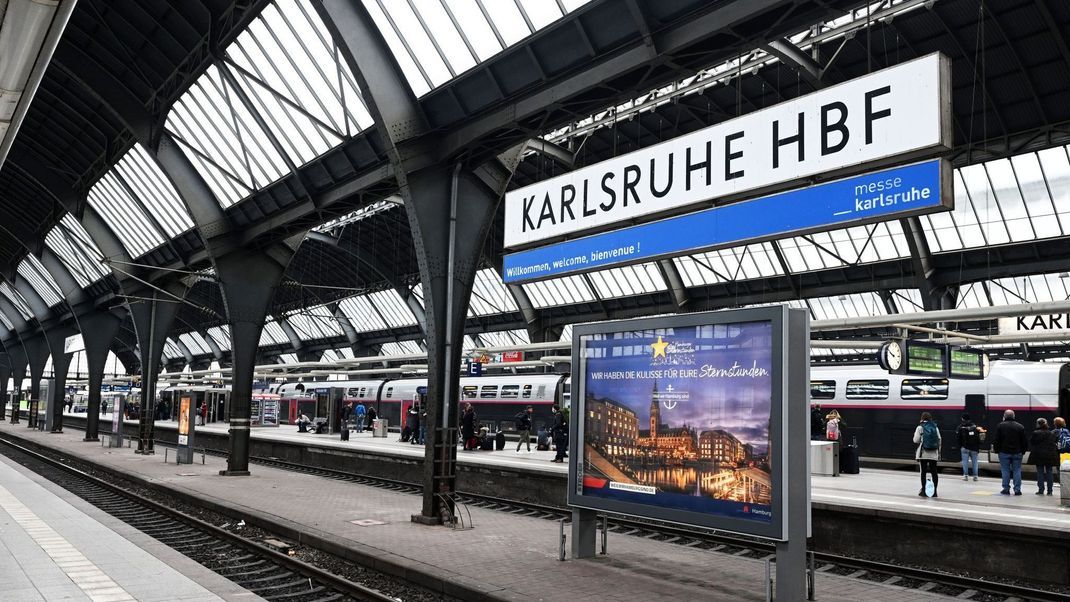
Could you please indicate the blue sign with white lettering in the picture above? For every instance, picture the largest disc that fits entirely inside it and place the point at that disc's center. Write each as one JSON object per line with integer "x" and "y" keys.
{"x": 878, "y": 196}
{"x": 475, "y": 369}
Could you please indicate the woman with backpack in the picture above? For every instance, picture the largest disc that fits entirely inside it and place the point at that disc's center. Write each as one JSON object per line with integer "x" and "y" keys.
{"x": 968, "y": 438}
{"x": 927, "y": 437}
{"x": 834, "y": 425}
{"x": 1044, "y": 454}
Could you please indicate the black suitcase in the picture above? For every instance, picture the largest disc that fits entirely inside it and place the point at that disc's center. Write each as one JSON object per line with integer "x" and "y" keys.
{"x": 499, "y": 441}
{"x": 345, "y": 433}
{"x": 487, "y": 445}
{"x": 849, "y": 459}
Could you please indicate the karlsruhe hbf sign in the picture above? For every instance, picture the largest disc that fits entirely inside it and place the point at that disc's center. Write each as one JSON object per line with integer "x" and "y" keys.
{"x": 889, "y": 117}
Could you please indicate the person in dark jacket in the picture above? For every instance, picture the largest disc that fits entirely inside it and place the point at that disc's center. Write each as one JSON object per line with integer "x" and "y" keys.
{"x": 1044, "y": 454}
{"x": 559, "y": 431}
{"x": 371, "y": 417}
{"x": 968, "y": 439}
{"x": 414, "y": 423}
{"x": 468, "y": 426}
{"x": 817, "y": 423}
{"x": 523, "y": 427}
{"x": 1010, "y": 443}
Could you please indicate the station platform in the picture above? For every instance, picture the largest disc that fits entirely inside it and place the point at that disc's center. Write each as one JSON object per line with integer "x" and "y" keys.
{"x": 54, "y": 546}
{"x": 505, "y": 557}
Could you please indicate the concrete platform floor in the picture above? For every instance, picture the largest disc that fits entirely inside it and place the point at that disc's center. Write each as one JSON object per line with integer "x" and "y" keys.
{"x": 505, "y": 557}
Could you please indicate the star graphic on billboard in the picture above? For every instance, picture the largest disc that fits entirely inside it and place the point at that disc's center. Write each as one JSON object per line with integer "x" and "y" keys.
{"x": 659, "y": 347}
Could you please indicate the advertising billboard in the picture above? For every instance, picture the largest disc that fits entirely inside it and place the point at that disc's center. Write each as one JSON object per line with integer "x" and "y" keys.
{"x": 682, "y": 419}
{"x": 184, "y": 408}
{"x": 894, "y": 115}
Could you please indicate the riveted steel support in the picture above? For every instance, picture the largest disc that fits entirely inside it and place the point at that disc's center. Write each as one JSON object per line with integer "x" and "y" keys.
{"x": 248, "y": 281}
{"x": 152, "y": 321}
{"x": 36, "y": 355}
{"x": 17, "y": 356}
{"x": 98, "y": 332}
{"x": 61, "y": 361}
{"x": 5, "y": 374}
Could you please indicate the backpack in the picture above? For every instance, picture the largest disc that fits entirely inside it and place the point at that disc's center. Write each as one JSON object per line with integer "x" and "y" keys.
{"x": 930, "y": 436}
{"x": 832, "y": 430}
{"x": 1064, "y": 440}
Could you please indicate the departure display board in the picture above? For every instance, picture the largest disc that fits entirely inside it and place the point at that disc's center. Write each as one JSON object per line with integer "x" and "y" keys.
{"x": 926, "y": 358}
{"x": 968, "y": 363}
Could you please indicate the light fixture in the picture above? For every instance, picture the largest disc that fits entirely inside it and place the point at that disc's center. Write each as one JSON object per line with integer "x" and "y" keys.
{"x": 1064, "y": 275}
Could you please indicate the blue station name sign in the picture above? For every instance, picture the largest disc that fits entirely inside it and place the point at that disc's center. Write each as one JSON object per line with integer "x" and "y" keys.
{"x": 878, "y": 196}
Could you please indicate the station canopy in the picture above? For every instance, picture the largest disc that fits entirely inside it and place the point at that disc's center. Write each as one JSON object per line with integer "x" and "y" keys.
{"x": 259, "y": 100}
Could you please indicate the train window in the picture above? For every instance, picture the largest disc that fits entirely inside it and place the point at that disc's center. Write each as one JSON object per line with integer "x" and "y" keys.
{"x": 469, "y": 391}
{"x": 542, "y": 391}
{"x": 510, "y": 391}
{"x": 924, "y": 388}
{"x": 867, "y": 389}
{"x": 527, "y": 392}
{"x": 362, "y": 390}
{"x": 822, "y": 389}
{"x": 390, "y": 391}
{"x": 488, "y": 392}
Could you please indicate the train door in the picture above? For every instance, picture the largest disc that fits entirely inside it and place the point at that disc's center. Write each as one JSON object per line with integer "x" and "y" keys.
{"x": 977, "y": 409}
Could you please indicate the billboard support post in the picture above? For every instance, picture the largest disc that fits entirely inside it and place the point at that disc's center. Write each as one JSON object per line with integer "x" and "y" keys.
{"x": 584, "y": 525}
{"x": 791, "y": 553}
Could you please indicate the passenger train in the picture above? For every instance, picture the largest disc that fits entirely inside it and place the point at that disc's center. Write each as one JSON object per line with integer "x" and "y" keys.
{"x": 880, "y": 410}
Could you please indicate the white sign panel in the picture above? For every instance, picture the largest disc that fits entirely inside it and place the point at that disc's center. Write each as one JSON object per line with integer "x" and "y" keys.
{"x": 1041, "y": 323}
{"x": 900, "y": 112}
{"x": 73, "y": 343}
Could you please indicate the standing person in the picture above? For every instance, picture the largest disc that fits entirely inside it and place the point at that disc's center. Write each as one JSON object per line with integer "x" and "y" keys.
{"x": 834, "y": 426}
{"x": 1010, "y": 443}
{"x": 468, "y": 426}
{"x": 347, "y": 411}
{"x": 414, "y": 422}
{"x": 523, "y": 426}
{"x": 1062, "y": 438}
{"x": 927, "y": 436}
{"x": 968, "y": 439}
{"x": 359, "y": 413}
{"x": 559, "y": 431}
{"x": 1044, "y": 454}
{"x": 370, "y": 420}
{"x": 817, "y": 423}
{"x": 204, "y": 414}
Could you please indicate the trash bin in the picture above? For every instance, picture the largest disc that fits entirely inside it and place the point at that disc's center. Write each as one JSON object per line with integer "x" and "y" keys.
{"x": 825, "y": 458}
{"x": 379, "y": 427}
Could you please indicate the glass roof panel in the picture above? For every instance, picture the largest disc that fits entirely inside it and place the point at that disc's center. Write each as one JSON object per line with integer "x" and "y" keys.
{"x": 40, "y": 280}
{"x": 115, "y": 202}
{"x": 725, "y": 265}
{"x": 195, "y": 343}
{"x": 287, "y": 358}
{"x": 559, "y": 291}
{"x": 435, "y": 40}
{"x": 72, "y": 244}
{"x": 314, "y": 323}
{"x": 628, "y": 280}
{"x": 171, "y": 350}
{"x": 362, "y": 314}
{"x": 223, "y": 140}
{"x": 503, "y": 338}
{"x": 333, "y": 355}
{"x": 907, "y": 300}
{"x": 1038, "y": 288}
{"x": 973, "y": 296}
{"x": 846, "y": 306}
{"x": 15, "y": 300}
{"x": 566, "y": 333}
{"x": 221, "y": 336}
{"x": 147, "y": 183}
{"x": 400, "y": 348}
{"x": 392, "y": 308}
{"x": 489, "y": 295}
{"x": 846, "y": 246}
{"x": 272, "y": 334}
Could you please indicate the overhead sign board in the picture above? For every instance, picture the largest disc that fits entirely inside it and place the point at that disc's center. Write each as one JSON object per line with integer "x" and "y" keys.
{"x": 73, "y": 343}
{"x": 694, "y": 425}
{"x": 1041, "y": 323}
{"x": 512, "y": 356}
{"x": 968, "y": 363}
{"x": 888, "y": 116}
{"x": 882, "y": 195}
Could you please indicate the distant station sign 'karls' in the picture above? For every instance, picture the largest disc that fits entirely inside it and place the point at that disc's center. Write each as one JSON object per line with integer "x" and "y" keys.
{"x": 890, "y": 115}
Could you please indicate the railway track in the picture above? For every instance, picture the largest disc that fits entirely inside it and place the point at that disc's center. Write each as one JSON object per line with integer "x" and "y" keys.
{"x": 259, "y": 569}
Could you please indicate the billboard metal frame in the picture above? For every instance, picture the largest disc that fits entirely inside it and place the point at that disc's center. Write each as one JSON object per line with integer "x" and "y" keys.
{"x": 789, "y": 426}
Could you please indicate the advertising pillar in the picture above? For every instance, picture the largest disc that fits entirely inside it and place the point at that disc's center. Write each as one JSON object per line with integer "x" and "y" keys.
{"x": 117, "y": 421}
{"x": 186, "y": 427}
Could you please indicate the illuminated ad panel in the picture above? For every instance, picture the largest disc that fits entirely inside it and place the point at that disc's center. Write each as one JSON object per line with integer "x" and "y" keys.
{"x": 680, "y": 419}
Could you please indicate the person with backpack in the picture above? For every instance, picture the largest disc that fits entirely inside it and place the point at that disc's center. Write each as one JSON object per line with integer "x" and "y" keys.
{"x": 371, "y": 417}
{"x": 817, "y": 424}
{"x": 523, "y": 427}
{"x": 1010, "y": 443}
{"x": 834, "y": 426}
{"x": 1062, "y": 439}
{"x": 1044, "y": 454}
{"x": 968, "y": 439}
{"x": 927, "y": 437}
{"x": 559, "y": 431}
{"x": 358, "y": 414}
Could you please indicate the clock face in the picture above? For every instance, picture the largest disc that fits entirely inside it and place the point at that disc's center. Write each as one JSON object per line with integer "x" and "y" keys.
{"x": 895, "y": 355}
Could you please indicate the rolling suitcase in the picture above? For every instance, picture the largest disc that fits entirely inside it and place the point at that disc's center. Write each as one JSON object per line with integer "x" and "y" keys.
{"x": 849, "y": 458}
{"x": 542, "y": 443}
{"x": 499, "y": 441}
{"x": 487, "y": 444}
